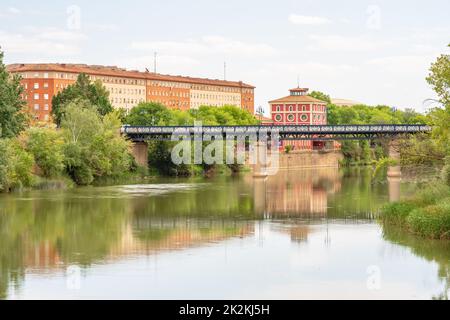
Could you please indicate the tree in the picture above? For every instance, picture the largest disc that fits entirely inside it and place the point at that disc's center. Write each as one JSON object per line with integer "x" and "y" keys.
{"x": 321, "y": 96}
{"x": 13, "y": 116}
{"x": 149, "y": 114}
{"x": 46, "y": 147}
{"x": 93, "y": 144}
{"x": 84, "y": 89}
{"x": 16, "y": 165}
{"x": 439, "y": 78}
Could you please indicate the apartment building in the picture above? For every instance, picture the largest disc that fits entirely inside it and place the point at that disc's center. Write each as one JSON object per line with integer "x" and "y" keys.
{"x": 128, "y": 88}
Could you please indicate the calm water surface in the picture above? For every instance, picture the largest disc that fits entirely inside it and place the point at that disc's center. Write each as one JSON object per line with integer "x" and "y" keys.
{"x": 302, "y": 234}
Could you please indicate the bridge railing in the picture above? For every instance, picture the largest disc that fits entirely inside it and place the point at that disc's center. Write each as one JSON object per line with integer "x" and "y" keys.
{"x": 305, "y": 129}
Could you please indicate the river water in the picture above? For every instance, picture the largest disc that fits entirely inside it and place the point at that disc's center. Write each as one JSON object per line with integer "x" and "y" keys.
{"x": 303, "y": 234}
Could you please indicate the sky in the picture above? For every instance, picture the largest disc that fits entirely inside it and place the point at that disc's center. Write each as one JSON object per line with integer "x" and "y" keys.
{"x": 373, "y": 52}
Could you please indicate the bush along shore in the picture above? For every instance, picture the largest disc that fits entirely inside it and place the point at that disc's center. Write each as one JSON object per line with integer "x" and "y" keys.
{"x": 426, "y": 214}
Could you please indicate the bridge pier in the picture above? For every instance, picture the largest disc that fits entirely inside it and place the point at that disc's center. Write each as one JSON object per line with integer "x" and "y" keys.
{"x": 260, "y": 157}
{"x": 140, "y": 153}
{"x": 394, "y": 154}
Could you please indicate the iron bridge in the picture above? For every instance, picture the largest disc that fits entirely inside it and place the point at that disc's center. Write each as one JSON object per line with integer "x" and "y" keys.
{"x": 288, "y": 132}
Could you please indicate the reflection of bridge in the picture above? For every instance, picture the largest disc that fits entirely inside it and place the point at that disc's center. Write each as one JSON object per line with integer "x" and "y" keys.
{"x": 290, "y": 132}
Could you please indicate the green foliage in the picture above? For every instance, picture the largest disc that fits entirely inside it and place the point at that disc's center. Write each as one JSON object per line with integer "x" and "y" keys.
{"x": 226, "y": 115}
{"x": 16, "y": 165}
{"x": 432, "y": 221}
{"x": 83, "y": 89}
{"x": 149, "y": 114}
{"x": 288, "y": 149}
{"x": 427, "y": 213}
{"x": 439, "y": 78}
{"x": 397, "y": 212}
{"x": 46, "y": 147}
{"x": 446, "y": 171}
{"x": 321, "y": 96}
{"x": 430, "y": 194}
{"x": 13, "y": 117}
{"x": 93, "y": 145}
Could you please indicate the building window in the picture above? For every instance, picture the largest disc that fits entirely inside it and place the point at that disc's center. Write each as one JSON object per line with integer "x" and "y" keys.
{"x": 45, "y": 96}
{"x": 46, "y": 107}
{"x": 36, "y": 107}
{"x": 46, "y": 75}
{"x": 36, "y": 96}
{"x": 46, "y": 85}
{"x": 36, "y": 85}
{"x": 46, "y": 117}
{"x": 278, "y": 118}
{"x": 304, "y": 117}
{"x": 291, "y": 117}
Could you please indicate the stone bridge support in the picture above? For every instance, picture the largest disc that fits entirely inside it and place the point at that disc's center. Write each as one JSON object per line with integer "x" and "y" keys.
{"x": 140, "y": 153}
{"x": 394, "y": 154}
{"x": 260, "y": 158}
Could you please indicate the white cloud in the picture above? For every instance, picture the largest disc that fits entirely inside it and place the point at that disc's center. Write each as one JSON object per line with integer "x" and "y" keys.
{"x": 13, "y": 10}
{"x": 100, "y": 27}
{"x": 206, "y": 46}
{"x": 346, "y": 43}
{"x": 308, "y": 20}
{"x": 47, "y": 42}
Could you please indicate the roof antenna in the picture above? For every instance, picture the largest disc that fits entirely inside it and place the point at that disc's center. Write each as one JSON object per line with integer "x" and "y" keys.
{"x": 225, "y": 70}
{"x": 298, "y": 81}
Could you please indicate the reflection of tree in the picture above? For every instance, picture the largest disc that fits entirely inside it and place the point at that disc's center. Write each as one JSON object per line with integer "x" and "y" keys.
{"x": 432, "y": 250}
{"x": 86, "y": 226}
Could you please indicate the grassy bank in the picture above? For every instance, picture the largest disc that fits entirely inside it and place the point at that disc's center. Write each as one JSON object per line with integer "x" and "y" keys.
{"x": 426, "y": 214}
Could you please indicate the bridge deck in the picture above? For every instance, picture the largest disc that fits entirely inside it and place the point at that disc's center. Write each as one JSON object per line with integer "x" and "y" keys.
{"x": 288, "y": 132}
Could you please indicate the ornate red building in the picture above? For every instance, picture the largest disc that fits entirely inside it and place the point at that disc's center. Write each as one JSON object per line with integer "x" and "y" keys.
{"x": 299, "y": 108}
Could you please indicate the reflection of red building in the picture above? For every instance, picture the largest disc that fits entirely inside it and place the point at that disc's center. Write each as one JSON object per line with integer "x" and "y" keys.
{"x": 299, "y": 109}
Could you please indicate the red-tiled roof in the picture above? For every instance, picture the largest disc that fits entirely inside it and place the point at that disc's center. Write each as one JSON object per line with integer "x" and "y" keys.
{"x": 297, "y": 99}
{"x": 114, "y": 71}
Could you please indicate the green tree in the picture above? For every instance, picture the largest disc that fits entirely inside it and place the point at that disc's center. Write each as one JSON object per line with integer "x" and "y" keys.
{"x": 46, "y": 145}
{"x": 149, "y": 114}
{"x": 13, "y": 116}
{"x": 93, "y": 146}
{"x": 439, "y": 78}
{"x": 16, "y": 165}
{"x": 84, "y": 89}
{"x": 321, "y": 96}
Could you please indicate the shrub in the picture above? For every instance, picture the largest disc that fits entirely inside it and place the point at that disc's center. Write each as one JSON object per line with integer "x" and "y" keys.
{"x": 93, "y": 145}
{"x": 432, "y": 221}
{"x": 430, "y": 194}
{"x": 16, "y": 166}
{"x": 46, "y": 147}
{"x": 446, "y": 172}
{"x": 397, "y": 212}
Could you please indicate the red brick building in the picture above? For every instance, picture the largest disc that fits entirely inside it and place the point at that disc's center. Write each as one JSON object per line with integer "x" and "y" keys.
{"x": 128, "y": 88}
{"x": 298, "y": 108}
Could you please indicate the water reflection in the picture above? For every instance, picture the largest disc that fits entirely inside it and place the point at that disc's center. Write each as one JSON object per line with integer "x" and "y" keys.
{"x": 43, "y": 232}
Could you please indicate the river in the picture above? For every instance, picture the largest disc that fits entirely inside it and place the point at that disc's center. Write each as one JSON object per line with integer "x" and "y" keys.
{"x": 302, "y": 234}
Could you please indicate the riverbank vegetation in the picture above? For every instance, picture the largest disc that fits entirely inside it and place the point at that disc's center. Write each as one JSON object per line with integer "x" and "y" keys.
{"x": 366, "y": 152}
{"x": 84, "y": 144}
{"x": 149, "y": 113}
{"x": 427, "y": 213}
{"x": 87, "y": 144}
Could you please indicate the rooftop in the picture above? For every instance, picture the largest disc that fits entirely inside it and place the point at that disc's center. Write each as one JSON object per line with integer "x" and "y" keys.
{"x": 296, "y": 99}
{"x": 114, "y": 71}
